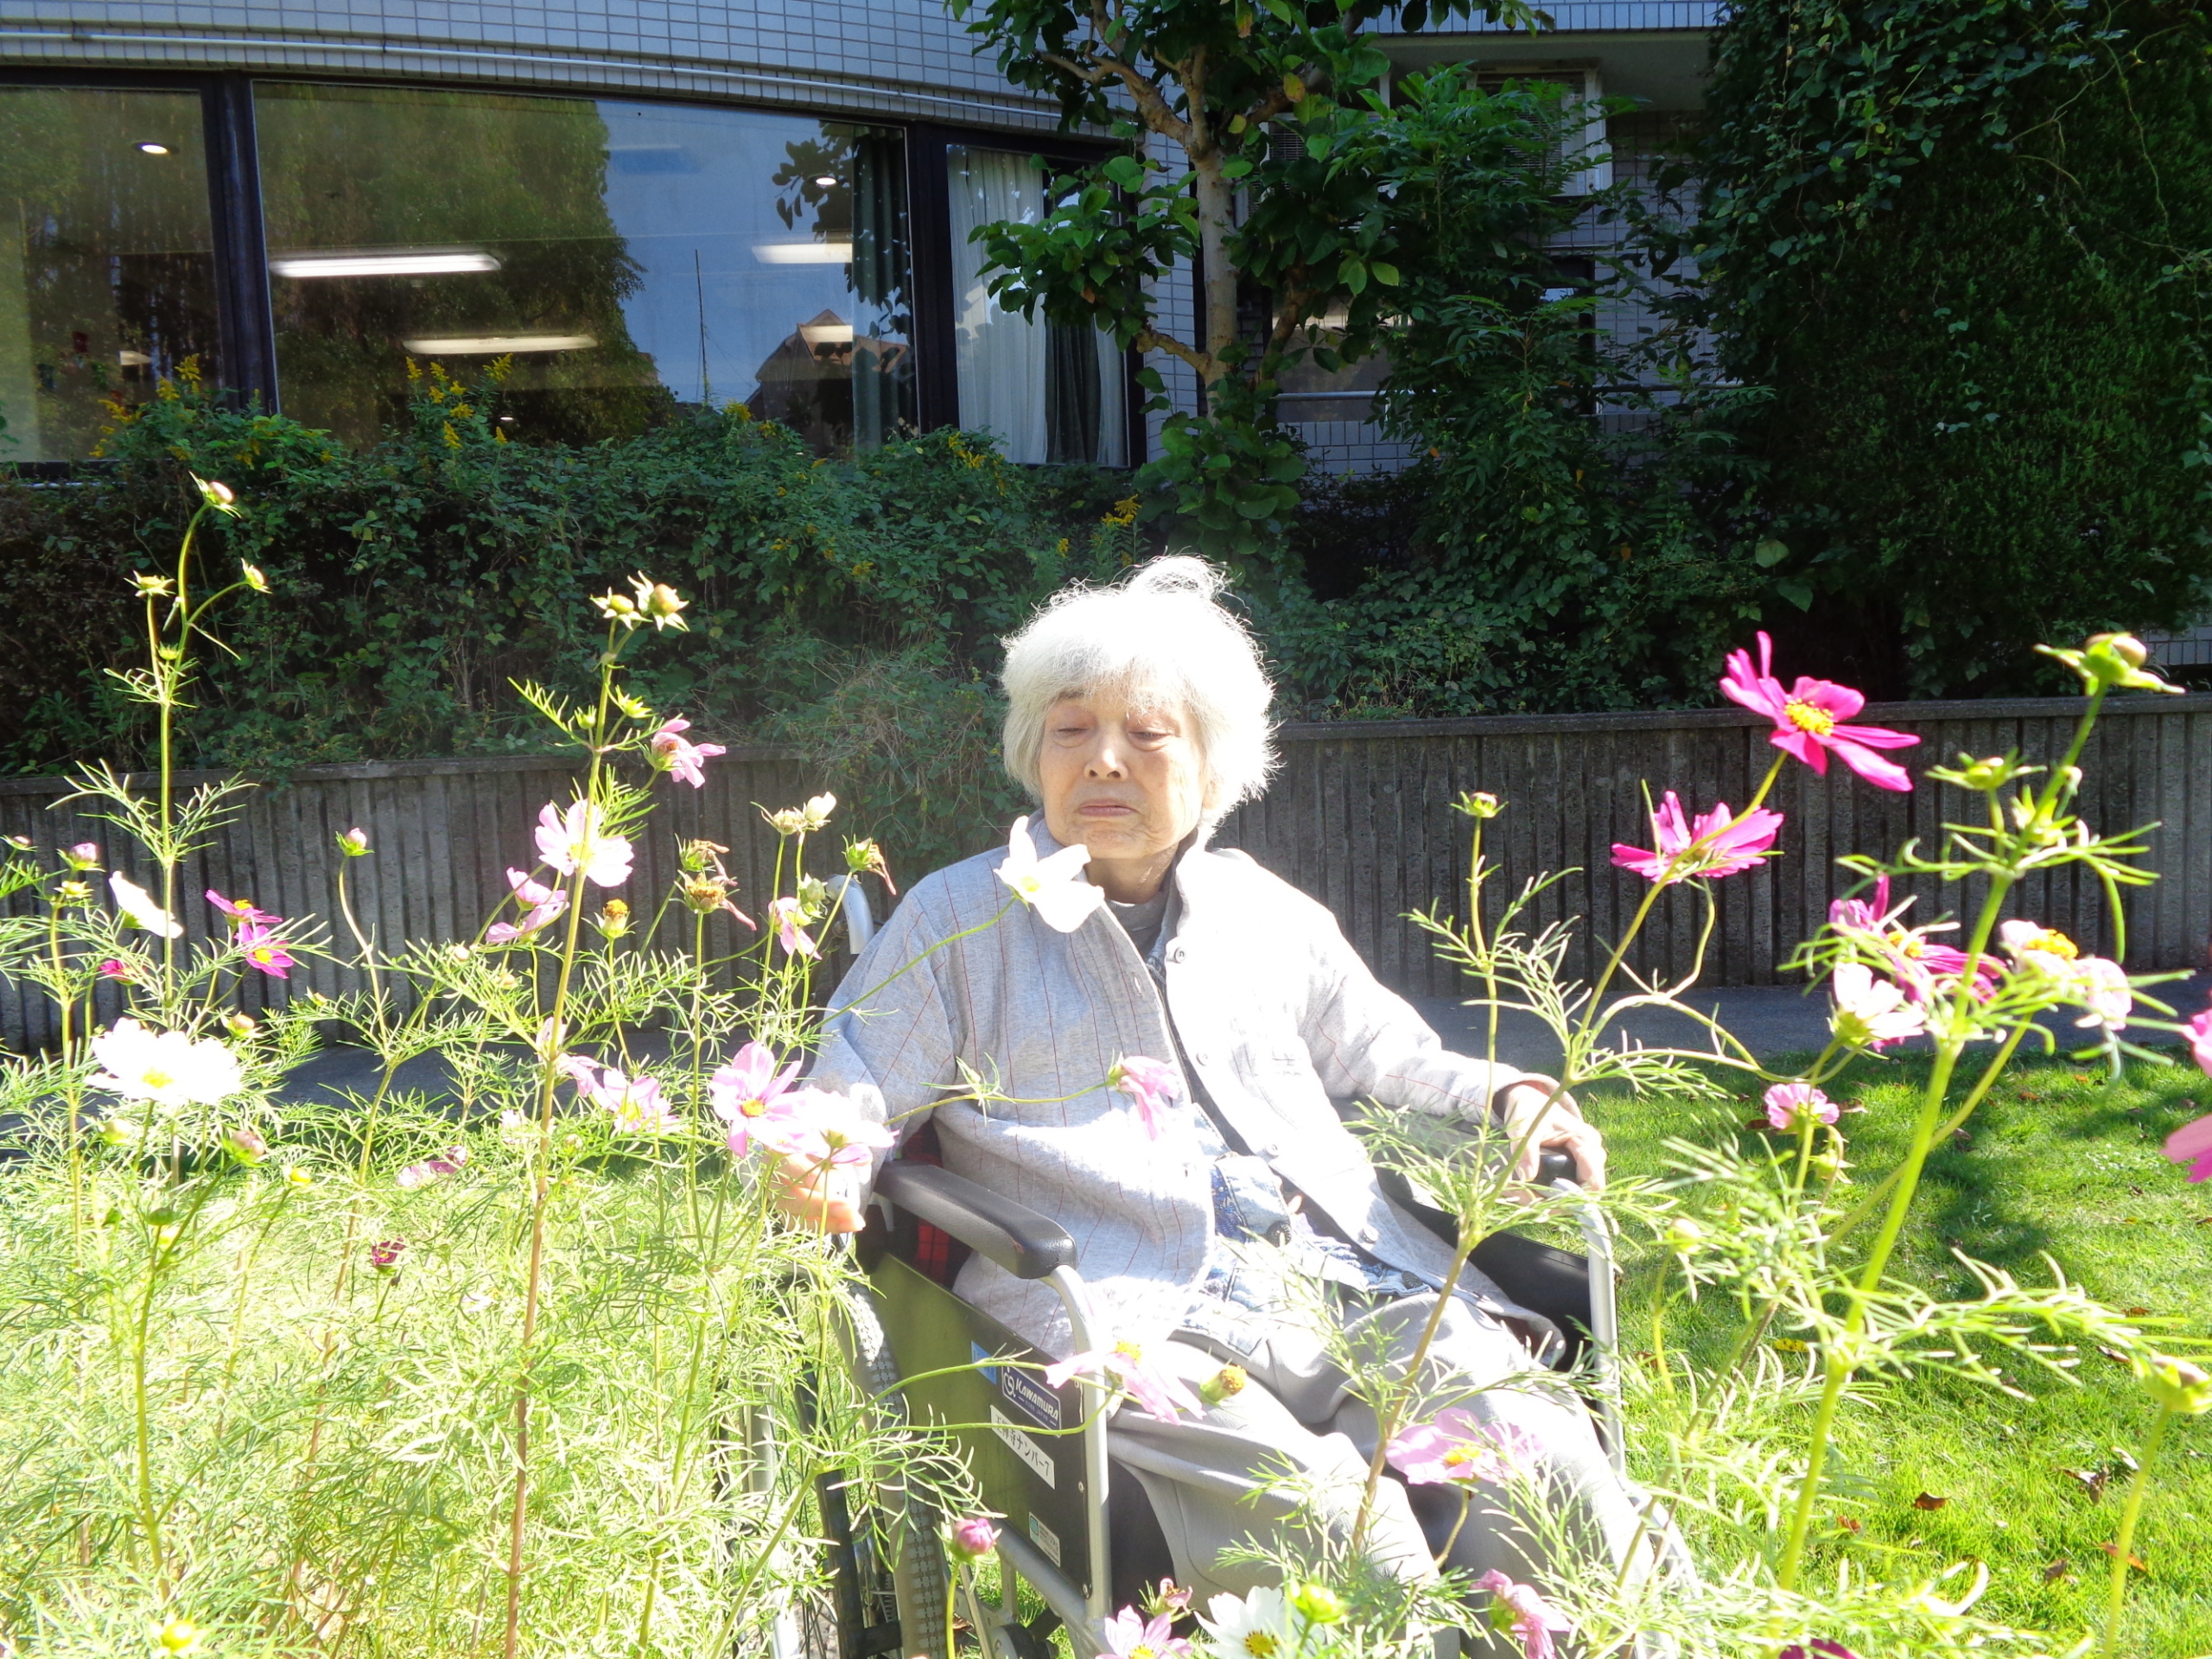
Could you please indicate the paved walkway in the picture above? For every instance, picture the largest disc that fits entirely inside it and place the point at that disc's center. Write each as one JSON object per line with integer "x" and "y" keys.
{"x": 1770, "y": 1019}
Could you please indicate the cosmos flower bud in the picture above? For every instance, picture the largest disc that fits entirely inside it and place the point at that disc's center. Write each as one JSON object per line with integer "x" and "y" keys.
{"x": 354, "y": 843}
{"x": 1684, "y": 1236}
{"x": 1317, "y": 1604}
{"x": 180, "y": 1638}
{"x": 2126, "y": 647}
{"x": 974, "y": 1538}
{"x": 151, "y": 587}
{"x": 612, "y": 920}
{"x": 253, "y": 578}
{"x": 221, "y": 497}
{"x": 696, "y": 855}
{"x": 84, "y": 855}
{"x": 1224, "y": 1384}
{"x": 240, "y": 1026}
{"x": 242, "y": 1144}
{"x": 2178, "y": 1385}
{"x": 1480, "y": 806}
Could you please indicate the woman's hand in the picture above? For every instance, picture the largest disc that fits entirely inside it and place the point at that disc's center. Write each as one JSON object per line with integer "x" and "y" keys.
{"x": 1520, "y": 1105}
{"x": 813, "y": 1194}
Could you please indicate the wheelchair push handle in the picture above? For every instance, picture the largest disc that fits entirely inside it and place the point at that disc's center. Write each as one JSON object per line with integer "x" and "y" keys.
{"x": 1027, "y": 1245}
{"x": 1556, "y": 1165}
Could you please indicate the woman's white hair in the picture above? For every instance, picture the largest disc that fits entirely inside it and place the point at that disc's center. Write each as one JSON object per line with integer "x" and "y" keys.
{"x": 1158, "y": 636}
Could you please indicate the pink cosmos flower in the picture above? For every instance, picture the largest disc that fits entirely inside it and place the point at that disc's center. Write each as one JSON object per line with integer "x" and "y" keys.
{"x": 2200, "y": 1039}
{"x": 1456, "y": 1446}
{"x": 543, "y": 904}
{"x": 1154, "y": 1085}
{"x": 448, "y": 1162}
{"x": 2096, "y": 985}
{"x": 242, "y": 912}
{"x": 783, "y": 914}
{"x": 2191, "y": 1144}
{"x": 116, "y": 968}
{"x": 1871, "y": 1013}
{"x": 1722, "y": 847}
{"x": 1518, "y": 1609}
{"x": 1130, "y": 1635}
{"x": 1808, "y": 719}
{"x": 579, "y": 835}
{"x": 675, "y": 754}
{"x": 385, "y": 1254}
{"x": 827, "y": 1130}
{"x": 752, "y": 1096}
{"x": 1157, "y": 1393}
{"x": 1789, "y": 1103}
{"x": 265, "y": 951}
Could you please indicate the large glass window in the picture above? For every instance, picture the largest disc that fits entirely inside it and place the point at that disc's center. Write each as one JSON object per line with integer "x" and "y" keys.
{"x": 629, "y": 258}
{"x": 107, "y": 278}
{"x": 1048, "y": 390}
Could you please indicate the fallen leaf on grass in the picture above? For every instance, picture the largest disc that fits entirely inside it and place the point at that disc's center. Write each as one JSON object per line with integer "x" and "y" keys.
{"x": 1930, "y": 1501}
{"x": 1961, "y": 1138}
{"x": 2061, "y": 1568}
{"x": 2138, "y": 1313}
{"x": 2133, "y": 1560}
{"x": 2093, "y": 1480}
{"x": 1847, "y": 1523}
{"x": 2115, "y": 1355}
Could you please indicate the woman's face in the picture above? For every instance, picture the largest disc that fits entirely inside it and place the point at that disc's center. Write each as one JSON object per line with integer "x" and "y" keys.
{"x": 1125, "y": 780}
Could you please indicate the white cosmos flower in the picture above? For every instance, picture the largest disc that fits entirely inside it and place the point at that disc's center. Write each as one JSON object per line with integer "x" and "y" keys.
{"x": 1257, "y": 1626}
{"x": 561, "y": 837}
{"x": 1055, "y": 887}
{"x": 1871, "y": 1013}
{"x": 138, "y": 904}
{"x": 165, "y": 1067}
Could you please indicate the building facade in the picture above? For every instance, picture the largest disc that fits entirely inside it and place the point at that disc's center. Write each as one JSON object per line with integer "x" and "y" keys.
{"x": 629, "y": 206}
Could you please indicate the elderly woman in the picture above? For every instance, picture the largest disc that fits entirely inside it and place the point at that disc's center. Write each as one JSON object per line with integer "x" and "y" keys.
{"x": 1138, "y": 716}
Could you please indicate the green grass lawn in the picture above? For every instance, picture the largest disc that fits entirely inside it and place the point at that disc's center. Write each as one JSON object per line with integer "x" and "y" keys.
{"x": 2055, "y": 1162}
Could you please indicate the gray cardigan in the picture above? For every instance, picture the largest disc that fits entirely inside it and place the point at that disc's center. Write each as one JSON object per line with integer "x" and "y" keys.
{"x": 1278, "y": 1014}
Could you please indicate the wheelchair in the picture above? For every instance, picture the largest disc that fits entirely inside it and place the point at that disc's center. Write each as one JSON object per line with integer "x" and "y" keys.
{"x": 1083, "y": 1541}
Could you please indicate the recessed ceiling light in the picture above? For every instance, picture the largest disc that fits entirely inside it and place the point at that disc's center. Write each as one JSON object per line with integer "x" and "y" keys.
{"x": 399, "y": 262}
{"x": 152, "y": 148}
{"x": 826, "y": 179}
{"x": 828, "y": 329}
{"x": 803, "y": 253}
{"x": 496, "y": 345}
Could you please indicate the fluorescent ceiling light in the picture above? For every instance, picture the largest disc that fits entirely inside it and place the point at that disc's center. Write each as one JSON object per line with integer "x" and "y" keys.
{"x": 400, "y": 262}
{"x": 131, "y": 359}
{"x": 496, "y": 345}
{"x": 826, "y": 330}
{"x": 826, "y": 179}
{"x": 153, "y": 149}
{"x": 803, "y": 253}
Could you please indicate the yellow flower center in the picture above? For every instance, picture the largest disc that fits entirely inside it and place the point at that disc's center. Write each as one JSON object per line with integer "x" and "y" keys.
{"x": 1132, "y": 1353}
{"x": 1907, "y": 945}
{"x": 1457, "y": 1456}
{"x": 1260, "y": 1645}
{"x": 2052, "y": 943}
{"x": 155, "y": 1077}
{"x": 1807, "y": 718}
{"x": 752, "y": 1108}
{"x": 1144, "y": 1650}
{"x": 261, "y": 953}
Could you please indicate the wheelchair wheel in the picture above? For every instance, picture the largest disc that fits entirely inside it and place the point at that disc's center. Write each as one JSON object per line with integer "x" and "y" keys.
{"x": 887, "y": 1566}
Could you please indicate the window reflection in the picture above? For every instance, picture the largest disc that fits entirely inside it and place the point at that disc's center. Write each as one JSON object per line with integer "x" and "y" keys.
{"x": 106, "y": 259}
{"x": 1050, "y": 392}
{"x": 630, "y": 259}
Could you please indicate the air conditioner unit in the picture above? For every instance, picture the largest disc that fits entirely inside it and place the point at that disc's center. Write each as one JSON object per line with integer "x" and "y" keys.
{"x": 1583, "y": 88}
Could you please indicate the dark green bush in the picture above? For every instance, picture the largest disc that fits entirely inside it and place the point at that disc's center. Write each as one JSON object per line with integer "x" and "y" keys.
{"x": 1969, "y": 248}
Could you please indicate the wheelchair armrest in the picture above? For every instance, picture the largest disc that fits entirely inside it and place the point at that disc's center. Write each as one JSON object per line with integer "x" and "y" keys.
{"x": 1027, "y": 1245}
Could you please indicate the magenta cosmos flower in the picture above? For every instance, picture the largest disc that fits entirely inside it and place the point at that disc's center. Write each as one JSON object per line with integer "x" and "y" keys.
{"x": 1925, "y": 969}
{"x": 1157, "y": 1393}
{"x": 748, "y": 1093}
{"x": 974, "y": 1538}
{"x": 265, "y": 950}
{"x": 448, "y": 1162}
{"x": 1714, "y": 845}
{"x": 1152, "y": 1085}
{"x": 2191, "y": 1144}
{"x": 1518, "y": 1610}
{"x": 242, "y": 912}
{"x": 1808, "y": 719}
{"x": 2200, "y": 1039}
{"x": 678, "y": 755}
{"x": 1456, "y": 1446}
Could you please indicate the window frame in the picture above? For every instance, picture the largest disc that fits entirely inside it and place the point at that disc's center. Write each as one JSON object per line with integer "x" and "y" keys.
{"x": 246, "y": 328}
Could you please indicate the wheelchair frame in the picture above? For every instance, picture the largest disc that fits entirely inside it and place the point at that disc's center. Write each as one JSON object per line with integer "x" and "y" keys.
{"x": 1020, "y": 1472}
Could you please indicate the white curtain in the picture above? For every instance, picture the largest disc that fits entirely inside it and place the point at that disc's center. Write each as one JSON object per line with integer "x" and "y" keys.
{"x": 1000, "y": 355}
